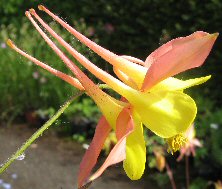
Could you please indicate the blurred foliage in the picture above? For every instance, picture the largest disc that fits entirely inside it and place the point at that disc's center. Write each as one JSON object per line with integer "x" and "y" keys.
{"x": 199, "y": 183}
{"x": 209, "y": 127}
{"x": 133, "y": 28}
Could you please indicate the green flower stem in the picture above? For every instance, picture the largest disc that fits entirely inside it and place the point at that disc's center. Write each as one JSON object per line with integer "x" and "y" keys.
{"x": 39, "y": 132}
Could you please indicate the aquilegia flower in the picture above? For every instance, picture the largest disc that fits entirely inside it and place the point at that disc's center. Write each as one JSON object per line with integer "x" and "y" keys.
{"x": 150, "y": 95}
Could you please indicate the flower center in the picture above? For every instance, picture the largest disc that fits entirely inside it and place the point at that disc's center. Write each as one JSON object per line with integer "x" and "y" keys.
{"x": 175, "y": 143}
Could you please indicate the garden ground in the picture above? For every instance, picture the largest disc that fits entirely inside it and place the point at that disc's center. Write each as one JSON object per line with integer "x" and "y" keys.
{"x": 52, "y": 163}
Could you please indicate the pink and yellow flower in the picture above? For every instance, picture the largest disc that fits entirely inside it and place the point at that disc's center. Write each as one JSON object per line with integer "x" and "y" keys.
{"x": 151, "y": 95}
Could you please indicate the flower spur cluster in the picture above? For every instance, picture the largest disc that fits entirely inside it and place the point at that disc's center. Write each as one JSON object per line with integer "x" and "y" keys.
{"x": 151, "y": 96}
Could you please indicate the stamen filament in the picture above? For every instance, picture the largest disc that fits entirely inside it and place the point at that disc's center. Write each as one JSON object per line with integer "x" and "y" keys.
{"x": 73, "y": 81}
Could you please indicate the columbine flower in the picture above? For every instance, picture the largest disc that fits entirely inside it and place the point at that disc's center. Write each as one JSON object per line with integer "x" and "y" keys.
{"x": 109, "y": 106}
{"x": 153, "y": 97}
{"x": 190, "y": 145}
{"x": 151, "y": 84}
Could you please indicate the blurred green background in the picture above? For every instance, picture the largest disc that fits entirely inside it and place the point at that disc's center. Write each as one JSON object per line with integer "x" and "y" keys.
{"x": 30, "y": 94}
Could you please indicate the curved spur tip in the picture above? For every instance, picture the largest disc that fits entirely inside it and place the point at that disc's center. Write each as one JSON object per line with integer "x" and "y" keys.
{"x": 10, "y": 43}
{"x": 41, "y": 7}
{"x": 32, "y": 11}
{"x": 27, "y": 13}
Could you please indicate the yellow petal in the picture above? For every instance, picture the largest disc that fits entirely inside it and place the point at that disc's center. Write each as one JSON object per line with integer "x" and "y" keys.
{"x": 172, "y": 84}
{"x": 134, "y": 164}
{"x": 166, "y": 113}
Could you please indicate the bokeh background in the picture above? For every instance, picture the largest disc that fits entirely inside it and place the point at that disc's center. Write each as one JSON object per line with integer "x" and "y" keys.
{"x": 30, "y": 95}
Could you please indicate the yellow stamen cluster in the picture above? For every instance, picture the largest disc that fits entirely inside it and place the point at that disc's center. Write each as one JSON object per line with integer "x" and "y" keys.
{"x": 175, "y": 143}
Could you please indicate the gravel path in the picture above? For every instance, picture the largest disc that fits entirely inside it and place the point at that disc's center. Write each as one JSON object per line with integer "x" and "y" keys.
{"x": 52, "y": 163}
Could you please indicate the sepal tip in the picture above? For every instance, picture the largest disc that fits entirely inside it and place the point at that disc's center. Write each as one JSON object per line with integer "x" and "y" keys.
{"x": 215, "y": 34}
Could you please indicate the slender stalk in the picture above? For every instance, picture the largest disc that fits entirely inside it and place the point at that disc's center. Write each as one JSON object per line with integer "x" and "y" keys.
{"x": 39, "y": 132}
{"x": 170, "y": 175}
{"x": 187, "y": 171}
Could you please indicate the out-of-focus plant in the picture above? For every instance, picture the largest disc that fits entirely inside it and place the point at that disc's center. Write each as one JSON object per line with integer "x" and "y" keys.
{"x": 161, "y": 164}
{"x": 189, "y": 149}
{"x": 160, "y": 158}
{"x": 83, "y": 108}
{"x": 209, "y": 131}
